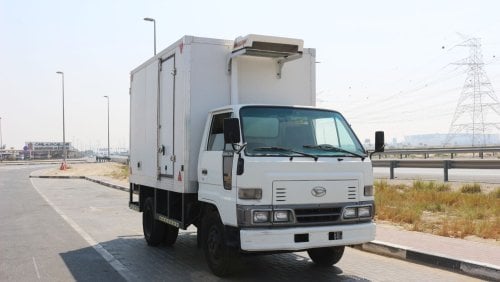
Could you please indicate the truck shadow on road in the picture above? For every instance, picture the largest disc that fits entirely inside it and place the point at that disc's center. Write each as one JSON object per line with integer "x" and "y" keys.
{"x": 185, "y": 262}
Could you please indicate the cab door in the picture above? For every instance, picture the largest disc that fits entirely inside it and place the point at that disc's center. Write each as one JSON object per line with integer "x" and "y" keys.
{"x": 215, "y": 171}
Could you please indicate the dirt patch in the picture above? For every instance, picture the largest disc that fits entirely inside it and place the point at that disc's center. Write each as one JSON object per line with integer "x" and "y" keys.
{"x": 113, "y": 172}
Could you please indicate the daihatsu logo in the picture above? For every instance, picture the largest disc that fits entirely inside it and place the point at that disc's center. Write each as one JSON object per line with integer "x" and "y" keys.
{"x": 318, "y": 191}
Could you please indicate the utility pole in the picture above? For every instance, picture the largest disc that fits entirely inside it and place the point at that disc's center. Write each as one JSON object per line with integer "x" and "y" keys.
{"x": 478, "y": 109}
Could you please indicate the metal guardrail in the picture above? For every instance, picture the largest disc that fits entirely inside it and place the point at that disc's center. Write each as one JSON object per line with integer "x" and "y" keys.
{"x": 444, "y": 164}
{"x": 113, "y": 158}
{"x": 434, "y": 151}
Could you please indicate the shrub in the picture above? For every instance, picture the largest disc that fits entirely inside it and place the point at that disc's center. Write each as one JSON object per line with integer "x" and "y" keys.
{"x": 471, "y": 188}
{"x": 431, "y": 185}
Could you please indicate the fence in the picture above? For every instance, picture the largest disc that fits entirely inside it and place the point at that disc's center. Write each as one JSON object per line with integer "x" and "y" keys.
{"x": 440, "y": 151}
{"x": 444, "y": 164}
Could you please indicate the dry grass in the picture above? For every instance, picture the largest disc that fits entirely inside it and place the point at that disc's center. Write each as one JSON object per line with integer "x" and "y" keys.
{"x": 121, "y": 172}
{"x": 496, "y": 193}
{"x": 433, "y": 208}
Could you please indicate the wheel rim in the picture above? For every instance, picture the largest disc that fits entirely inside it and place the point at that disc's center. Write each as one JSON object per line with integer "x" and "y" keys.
{"x": 214, "y": 241}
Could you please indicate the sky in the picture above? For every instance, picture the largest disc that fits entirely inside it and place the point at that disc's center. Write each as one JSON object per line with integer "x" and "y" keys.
{"x": 386, "y": 65}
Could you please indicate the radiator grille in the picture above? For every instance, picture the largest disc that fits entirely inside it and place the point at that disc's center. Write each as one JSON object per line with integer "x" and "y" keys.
{"x": 313, "y": 215}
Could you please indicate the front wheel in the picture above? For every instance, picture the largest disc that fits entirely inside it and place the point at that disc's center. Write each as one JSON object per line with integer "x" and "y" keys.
{"x": 221, "y": 259}
{"x": 326, "y": 256}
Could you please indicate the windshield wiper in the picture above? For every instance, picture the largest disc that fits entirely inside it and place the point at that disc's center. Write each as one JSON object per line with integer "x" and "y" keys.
{"x": 328, "y": 147}
{"x": 281, "y": 149}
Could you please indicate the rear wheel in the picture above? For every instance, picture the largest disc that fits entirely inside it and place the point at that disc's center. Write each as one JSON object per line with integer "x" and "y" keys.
{"x": 221, "y": 259}
{"x": 154, "y": 230}
{"x": 171, "y": 233}
{"x": 326, "y": 256}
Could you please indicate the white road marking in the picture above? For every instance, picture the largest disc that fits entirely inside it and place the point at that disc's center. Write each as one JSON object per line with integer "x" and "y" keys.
{"x": 116, "y": 264}
{"x": 36, "y": 268}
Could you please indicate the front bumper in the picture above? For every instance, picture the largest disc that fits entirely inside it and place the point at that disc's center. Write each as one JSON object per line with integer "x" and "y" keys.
{"x": 284, "y": 239}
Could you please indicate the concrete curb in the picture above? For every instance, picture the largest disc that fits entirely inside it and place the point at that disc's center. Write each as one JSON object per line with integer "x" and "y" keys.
{"x": 104, "y": 183}
{"x": 472, "y": 268}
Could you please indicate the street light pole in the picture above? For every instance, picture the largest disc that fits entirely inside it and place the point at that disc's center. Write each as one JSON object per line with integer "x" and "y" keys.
{"x": 154, "y": 31}
{"x": 107, "y": 97}
{"x": 1, "y": 144}
{"x": 63, "y": 165}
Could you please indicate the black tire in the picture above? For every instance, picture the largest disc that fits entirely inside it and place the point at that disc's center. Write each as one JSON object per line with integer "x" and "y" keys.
{"x": 326, "y": 256}
{"x": 171, "y": 233}
{"x": 154, "y": 230}
{"x": 220, "y": 258}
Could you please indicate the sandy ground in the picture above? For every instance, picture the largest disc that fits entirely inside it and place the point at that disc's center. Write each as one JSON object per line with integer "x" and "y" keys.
{"x": 113, "y": 171}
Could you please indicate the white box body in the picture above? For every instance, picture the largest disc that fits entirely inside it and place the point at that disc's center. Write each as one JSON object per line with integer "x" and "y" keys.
{"x": 169, "y": 107}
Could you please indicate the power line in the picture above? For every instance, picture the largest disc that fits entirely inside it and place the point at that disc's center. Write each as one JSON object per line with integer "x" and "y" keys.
{"x": 477, "y": 100}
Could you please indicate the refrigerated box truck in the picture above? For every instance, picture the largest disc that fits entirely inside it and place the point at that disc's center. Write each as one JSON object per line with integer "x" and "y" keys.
{"x": 225, "y": 136}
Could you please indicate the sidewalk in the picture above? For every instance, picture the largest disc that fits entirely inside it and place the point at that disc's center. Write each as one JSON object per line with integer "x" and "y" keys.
{"x": 473, "y": 258}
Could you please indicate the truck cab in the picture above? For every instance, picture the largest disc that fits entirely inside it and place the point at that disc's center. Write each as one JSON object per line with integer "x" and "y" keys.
{"x": 286, "y": 178}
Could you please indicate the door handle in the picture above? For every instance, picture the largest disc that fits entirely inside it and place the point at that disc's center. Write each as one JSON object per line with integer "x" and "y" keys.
{"x": 162, "y": 150}
{"x": 204, "y": 171}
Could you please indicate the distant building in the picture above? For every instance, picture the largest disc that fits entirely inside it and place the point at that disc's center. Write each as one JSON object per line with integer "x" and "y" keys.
{"x": 48, "y": 150}
{"x": 437, "y": 140}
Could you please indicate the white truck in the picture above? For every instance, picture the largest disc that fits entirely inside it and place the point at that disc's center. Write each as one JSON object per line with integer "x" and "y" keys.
{"x": 224, "y": 135}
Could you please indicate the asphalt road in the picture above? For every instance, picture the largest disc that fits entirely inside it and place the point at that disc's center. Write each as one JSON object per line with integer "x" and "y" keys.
{"x": 63, "y": 230}
{"x": 458, "y": 175}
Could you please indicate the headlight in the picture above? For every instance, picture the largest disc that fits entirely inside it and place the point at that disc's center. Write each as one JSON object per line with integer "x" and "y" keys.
{"x": 350, "y": 212}
{"x": 250, "y": 193}
{"x": 364, "y": 211}
{"x": 281, "y": 216}
{"x": 368, "y": 190}
{"x": 260, "y": 216}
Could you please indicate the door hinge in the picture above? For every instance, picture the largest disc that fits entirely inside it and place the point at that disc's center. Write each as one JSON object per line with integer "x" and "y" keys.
{"x": 172, "y": 158}
{"x": 174, "y": 72}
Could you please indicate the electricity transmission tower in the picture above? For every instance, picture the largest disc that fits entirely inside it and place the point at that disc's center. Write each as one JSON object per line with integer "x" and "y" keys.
{"x": 478, "y": 109}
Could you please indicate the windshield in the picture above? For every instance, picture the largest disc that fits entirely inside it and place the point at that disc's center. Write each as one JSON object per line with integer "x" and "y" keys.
{"x": 293, "y": 130}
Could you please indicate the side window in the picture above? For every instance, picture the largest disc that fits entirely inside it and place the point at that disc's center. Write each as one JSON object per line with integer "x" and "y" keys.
{"x": 216, "y": 136}
{"x": 346, "y": 139}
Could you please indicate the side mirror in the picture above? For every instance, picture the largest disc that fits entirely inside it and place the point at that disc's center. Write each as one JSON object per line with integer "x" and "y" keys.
{"x": 231, "y": 130}
{"x": 379, "y": 141}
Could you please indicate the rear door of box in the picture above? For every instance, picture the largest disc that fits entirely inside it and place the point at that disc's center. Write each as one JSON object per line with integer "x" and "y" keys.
{"x": 166, "y": 116}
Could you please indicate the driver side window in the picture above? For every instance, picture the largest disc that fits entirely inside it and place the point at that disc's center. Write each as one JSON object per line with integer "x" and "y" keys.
{"x": 216, "y": 136}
